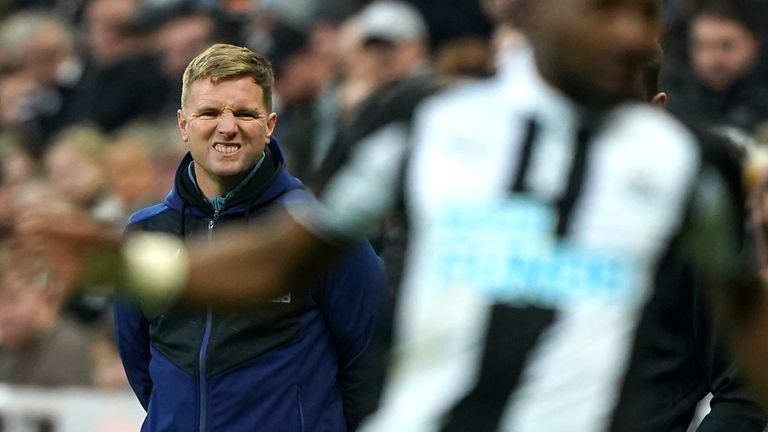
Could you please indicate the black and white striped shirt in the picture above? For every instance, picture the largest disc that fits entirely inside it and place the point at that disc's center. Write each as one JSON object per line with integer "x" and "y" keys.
{"x": 536, "y": 239}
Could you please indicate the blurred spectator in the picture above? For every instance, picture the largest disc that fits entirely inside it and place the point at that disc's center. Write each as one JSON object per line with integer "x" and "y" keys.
{"x": 16, "y": 166}
{"x": 15, "y": 89}
{"x": 728, "y": 86}
{"x": 40, "y": 346}
{"x": 76, "y": 170}
{"x": 395, "y": 40}
{"x": 161, "y": 140}
{"x": 180, "y": 39}
{"x": 267, "y": 32}
{"x": 300, "y": 73}
{"x": 41, "y": 48}
{"x": 120, "y": 80}
{"x": 75, "y": 167}
{"x": 334, "y": 37}
{"x": 16, "y": 162}
{"x": 131, "y": 175}
{"x": 389, "y": 70}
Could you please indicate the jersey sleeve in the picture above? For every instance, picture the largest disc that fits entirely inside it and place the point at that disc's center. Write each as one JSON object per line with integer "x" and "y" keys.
{"x": 362, "y": 193}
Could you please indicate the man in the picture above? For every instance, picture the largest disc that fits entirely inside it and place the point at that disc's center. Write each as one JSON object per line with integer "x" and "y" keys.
{"x": 42, "y": 49}
{"x": 679, "y": 355}
{"x": 40, "y": 346}
{"x": 725, "y": 85}
{"x": 293, "y": 363}
{"x": 541, "y": 215}
{"x": 118, "y": 53}
{"x": 392, "y": 54}
{"x": 181, "y": 37}
{"x": 570, "y": 223}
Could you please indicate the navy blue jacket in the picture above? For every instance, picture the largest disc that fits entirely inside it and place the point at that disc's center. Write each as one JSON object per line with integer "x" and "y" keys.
{"x": 290, "y": 365}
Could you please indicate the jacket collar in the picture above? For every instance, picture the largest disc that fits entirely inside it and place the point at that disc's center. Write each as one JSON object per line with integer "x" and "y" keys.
{"x": 265, "y": 184}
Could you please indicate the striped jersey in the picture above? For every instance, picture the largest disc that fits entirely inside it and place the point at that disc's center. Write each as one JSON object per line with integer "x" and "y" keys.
{"x": 537, "y": 230}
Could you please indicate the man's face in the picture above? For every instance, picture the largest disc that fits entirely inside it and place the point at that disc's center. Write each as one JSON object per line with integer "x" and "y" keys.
{"x": 722, "y": 51}
{"x": 226, "y": 126}
{"x": 594, "y": 50}
{"x": 181, "y": 40}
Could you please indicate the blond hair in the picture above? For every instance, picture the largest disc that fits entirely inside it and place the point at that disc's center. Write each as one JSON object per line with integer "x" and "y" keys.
{"x": 87, "y": 139}
{"x": 223, "y": 61}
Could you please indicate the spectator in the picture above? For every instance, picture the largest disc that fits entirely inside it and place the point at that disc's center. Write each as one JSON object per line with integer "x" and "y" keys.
{"x": 131, "y": 175}
{"x": 120, "y": 80}
{"x": 392, "y": 58}
{"x": 42, "y": 48}
{"x": 40, "y": 347}
{"x": 180, "y": 38}
{"x": 728, "y": 86}
{"x": 75, "y": 167}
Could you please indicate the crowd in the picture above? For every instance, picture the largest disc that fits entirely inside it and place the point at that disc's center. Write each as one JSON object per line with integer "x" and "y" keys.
{"x": 90, "y": 99}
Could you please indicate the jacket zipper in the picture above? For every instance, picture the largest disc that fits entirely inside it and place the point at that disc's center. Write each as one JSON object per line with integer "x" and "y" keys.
{"x": 201, "y": 362}
{"x": 212, "y": 222}
{"x": 204, "y": 344}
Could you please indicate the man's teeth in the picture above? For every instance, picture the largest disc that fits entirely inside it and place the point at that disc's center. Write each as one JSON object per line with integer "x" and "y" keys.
{"x": 223, "y": 148}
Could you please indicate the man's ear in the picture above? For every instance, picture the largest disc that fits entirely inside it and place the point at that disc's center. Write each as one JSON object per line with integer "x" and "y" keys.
{"x": 271, "y": 123}
{"x": 182, "y": 125}
{"x": 660, "y": 100}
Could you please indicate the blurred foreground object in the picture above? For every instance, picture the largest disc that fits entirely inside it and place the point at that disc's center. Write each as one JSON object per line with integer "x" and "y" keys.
{"x": 31, "y": 409}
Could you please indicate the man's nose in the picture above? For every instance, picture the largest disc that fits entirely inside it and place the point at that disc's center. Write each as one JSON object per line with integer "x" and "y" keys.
{"x": 227, "y": 124}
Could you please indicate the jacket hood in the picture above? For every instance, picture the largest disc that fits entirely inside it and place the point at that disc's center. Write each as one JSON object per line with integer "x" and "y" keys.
{"x": 270, "y": 181}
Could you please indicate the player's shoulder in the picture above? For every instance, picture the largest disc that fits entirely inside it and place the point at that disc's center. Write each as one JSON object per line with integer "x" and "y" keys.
{"x": 651, "y": 124}
{"x": 655, "y": 135}
{"x": 460, "y": 98}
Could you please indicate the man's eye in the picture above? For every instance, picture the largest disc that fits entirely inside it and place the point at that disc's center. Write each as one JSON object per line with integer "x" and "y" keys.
{"x": 207, "y": 114}
{"x": 246, "y": 115}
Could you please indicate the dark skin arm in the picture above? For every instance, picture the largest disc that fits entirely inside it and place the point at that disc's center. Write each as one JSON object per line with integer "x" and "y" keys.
{"x": 246, "y": 266}
{"x": 260, "y": 264}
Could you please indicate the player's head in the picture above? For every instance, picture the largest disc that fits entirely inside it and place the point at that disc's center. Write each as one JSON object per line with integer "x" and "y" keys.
{"x": 594, "y": 50}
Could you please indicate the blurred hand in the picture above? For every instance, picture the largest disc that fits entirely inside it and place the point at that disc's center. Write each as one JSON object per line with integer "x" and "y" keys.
{"x": 75, "y": 249}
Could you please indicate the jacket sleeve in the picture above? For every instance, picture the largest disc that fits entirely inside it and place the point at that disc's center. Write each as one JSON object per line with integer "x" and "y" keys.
{"x": 353, "y": 291}
{"x": 132, "y": 335}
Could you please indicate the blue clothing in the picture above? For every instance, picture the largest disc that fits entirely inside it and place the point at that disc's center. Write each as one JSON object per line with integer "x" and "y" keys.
{"x": 293, "y": 364}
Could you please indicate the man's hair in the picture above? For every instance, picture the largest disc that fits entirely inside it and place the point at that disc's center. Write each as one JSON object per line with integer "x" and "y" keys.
{"x": 744, "y": 12}
{"x": 223, "y": 61}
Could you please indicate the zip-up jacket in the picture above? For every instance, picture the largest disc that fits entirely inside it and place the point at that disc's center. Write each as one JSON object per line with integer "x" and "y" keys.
{"x": 294, "y": 364}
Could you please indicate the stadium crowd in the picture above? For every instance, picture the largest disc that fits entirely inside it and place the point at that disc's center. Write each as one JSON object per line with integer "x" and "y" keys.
{"x": 89, "y": 93}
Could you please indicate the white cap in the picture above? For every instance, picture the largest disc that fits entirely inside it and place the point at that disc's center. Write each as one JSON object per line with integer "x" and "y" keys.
{"x": 392, "y": 21}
